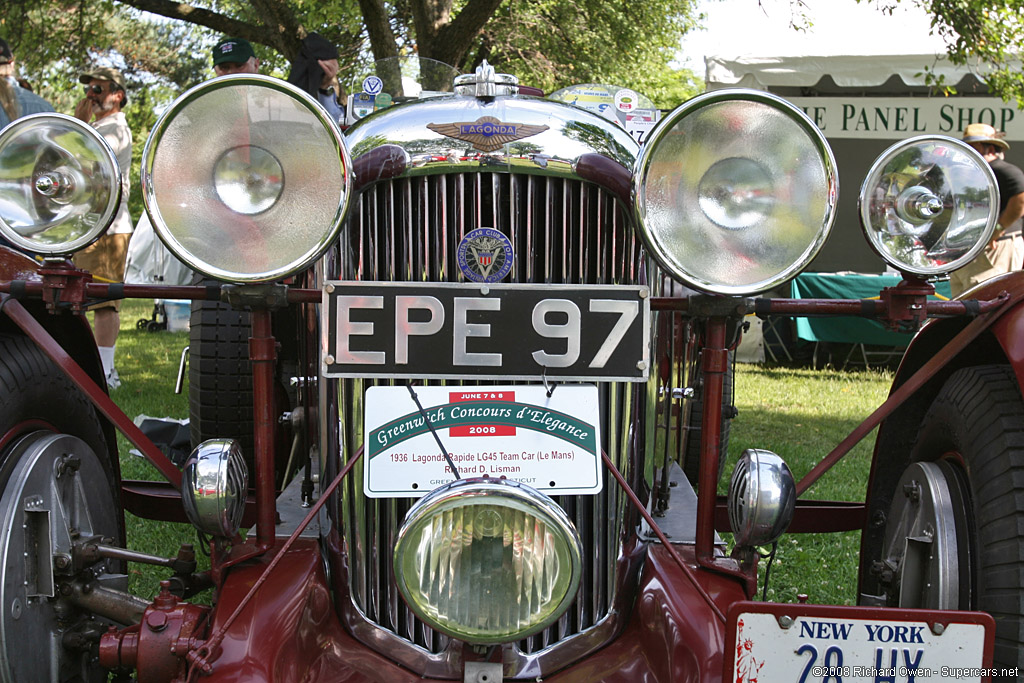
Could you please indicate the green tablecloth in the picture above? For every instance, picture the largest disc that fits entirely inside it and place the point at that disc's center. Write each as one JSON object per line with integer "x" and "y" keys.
{"x": 849, "y": 329}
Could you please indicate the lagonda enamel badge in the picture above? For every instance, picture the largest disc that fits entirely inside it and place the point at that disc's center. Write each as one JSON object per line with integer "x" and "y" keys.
{"x": 485, "y": 255}
{"x": 487, "y": 133}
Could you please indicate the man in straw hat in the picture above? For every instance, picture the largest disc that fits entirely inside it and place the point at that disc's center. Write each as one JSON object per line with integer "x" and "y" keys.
{"x": 1006, "y": 252}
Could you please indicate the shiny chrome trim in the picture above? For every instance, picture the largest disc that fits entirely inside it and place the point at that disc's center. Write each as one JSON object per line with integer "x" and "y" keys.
{"x": 214, "y": 482}
{"x": 762, "y": 497}
{"x": 485, "y": 82}
{"x": 557, "y": 226}
{"x": 571, "y": 133}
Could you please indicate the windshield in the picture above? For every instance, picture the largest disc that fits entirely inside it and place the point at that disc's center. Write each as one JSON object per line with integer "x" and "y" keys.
{"x": 624, "y": 106}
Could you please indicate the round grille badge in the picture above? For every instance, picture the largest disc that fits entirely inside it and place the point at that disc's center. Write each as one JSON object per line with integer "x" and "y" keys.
{"x": 485, "y": 255}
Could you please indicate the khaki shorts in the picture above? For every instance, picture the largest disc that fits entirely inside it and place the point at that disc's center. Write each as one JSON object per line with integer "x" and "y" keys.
{"x": 1006, "y": 255}
{"x": 105, "y": 260}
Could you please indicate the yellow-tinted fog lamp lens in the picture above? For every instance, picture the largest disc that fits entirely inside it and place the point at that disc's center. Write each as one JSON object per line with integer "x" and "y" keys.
{"x": 487, "y": 561}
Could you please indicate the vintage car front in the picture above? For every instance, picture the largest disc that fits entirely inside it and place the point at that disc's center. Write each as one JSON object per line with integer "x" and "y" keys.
{"x": 463, "y": 337}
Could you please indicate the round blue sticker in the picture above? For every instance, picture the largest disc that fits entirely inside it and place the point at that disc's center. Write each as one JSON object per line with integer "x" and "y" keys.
{"x": 485, "y": 255}
{"x": 372, "y": 85}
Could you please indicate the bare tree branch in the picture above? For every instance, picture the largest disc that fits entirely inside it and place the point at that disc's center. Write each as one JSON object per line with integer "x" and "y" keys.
{"x": 274, "y": 33}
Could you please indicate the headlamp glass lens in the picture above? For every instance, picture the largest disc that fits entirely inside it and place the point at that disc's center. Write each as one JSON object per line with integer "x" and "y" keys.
{"x": 929, "y": 205}
{"x": 488, "y": 568}
{"x": 735, "y": 192}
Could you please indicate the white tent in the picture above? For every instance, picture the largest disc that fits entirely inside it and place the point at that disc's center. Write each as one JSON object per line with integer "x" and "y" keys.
{"x": 851, "y": 71}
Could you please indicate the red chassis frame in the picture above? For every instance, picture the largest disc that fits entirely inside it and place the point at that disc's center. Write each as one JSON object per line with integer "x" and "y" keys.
{"x": 678, "y": 628}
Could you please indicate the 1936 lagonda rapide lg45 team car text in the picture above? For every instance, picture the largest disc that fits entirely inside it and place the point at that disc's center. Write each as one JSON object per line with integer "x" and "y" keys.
{"x": 447, "y": 366}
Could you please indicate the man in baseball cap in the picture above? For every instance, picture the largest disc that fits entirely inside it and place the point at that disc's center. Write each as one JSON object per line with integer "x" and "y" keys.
{"x": 234, "y": 56}
{"x": 1006, "y": 252}
{"x": 107, "y": 76}
{"x": 105, "y": 97}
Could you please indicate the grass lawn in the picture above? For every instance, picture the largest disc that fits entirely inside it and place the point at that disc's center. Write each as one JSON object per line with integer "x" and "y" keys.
{"x": 148, "y": 365}
{"x": 799, "y": 413}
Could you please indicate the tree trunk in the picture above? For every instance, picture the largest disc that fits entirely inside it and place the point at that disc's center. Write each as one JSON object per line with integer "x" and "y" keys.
{"x": 447, "y": 39}
{"x": 382, "y": 40}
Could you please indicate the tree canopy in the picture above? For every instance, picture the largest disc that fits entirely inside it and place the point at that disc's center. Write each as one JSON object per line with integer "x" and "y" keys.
{"x": 163, "y": 46}
{"x": 987, "y": 36}
{"x": 547, "y": 43}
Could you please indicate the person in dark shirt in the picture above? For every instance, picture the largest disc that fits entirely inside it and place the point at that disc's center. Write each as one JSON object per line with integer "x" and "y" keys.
{"x": 1006, "y": 251}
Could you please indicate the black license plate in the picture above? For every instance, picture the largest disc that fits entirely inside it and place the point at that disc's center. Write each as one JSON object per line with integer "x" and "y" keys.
{"x": 486, "y": 331}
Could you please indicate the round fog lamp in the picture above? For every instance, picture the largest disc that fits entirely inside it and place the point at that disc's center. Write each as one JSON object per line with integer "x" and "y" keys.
{"x": 929, "y": 205}
{"x": 60, "y": 185}
{"x": 487, "y": 560}
{"x": 762, "y": 497}
{"x": 214, "y": 484}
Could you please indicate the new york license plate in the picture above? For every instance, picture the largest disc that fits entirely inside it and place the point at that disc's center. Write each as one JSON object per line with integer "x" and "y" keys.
{"x": 785, "y": 643}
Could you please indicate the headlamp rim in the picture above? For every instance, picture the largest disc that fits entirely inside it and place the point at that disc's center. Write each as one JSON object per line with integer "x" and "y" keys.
{"x": 490, "y": 488}
{"x": 149, "y": 191}
{"x": 664, "y": 127}
{"x": 109, "y": 211}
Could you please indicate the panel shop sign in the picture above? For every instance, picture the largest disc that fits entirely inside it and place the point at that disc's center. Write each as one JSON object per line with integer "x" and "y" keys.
{"x": 895, "y": 118}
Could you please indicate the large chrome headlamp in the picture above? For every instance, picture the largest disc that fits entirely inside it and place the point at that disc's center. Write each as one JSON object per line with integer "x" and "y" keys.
{"x": 487, "y": 560}
{"x": 246, "y": 178}
{"x": 929, "y": 205}
{"x": 60, "y": 185}
{"x": 214, "y": 485}
{"x": 735, "y": 191}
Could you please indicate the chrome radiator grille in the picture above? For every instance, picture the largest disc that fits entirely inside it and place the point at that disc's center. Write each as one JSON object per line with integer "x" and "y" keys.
{"x": 562, "y": 231}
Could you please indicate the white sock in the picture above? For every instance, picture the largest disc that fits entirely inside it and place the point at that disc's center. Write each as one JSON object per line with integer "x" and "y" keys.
{"x": 107, "y": 358}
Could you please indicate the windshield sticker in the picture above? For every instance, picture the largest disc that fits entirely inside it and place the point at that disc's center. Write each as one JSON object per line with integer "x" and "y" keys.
{"x": 485, "y": 255}
{"x": 626, "y": 100}
{"x": 373, "y": 85}
{"x": 487, "y": 133}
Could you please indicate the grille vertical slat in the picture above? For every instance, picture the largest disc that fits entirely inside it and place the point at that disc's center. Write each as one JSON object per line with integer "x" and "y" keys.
{"x": 563, "y": 231}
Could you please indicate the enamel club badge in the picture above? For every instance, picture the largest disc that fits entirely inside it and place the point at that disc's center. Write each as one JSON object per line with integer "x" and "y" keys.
{"x": 485, "y": 255}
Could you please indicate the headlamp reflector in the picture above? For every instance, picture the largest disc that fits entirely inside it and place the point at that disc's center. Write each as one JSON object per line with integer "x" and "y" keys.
{"x": 246, "y": 178}
{"x": 929, "y": 205}
{"x": 735, "y": 191}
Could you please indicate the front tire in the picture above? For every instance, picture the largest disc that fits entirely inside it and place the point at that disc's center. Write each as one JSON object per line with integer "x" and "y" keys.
{"x": 220, "y": 375}
{"x": 59, "y": 487}
{"x": 954, "y": 537}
